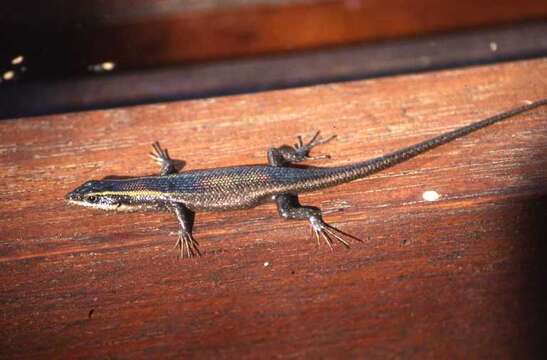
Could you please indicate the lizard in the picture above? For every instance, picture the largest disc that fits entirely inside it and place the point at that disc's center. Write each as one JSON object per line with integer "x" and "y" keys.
{"x": 243, "y": 187}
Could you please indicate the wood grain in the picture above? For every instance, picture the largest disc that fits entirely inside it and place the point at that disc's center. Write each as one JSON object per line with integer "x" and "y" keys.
{"x": 61, "y": 39}
{"x": 464, "y": 48}
{"x": 463, "y": 276}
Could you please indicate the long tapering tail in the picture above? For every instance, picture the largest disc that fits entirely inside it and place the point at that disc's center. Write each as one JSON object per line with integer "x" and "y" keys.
{"x": 342, "y": 174}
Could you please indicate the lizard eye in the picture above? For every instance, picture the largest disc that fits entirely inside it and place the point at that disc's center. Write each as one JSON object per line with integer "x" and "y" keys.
{"x": 92, "y": 198}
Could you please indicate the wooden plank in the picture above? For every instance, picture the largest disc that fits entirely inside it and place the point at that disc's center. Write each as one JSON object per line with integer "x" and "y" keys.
{"x": 66, "y": 39}
{"x": 277, "y": 72}
{"x": 462, "y": 276}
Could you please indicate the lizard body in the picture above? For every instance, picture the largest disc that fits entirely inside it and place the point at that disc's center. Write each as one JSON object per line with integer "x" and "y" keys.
{"x": 242, "y": 187}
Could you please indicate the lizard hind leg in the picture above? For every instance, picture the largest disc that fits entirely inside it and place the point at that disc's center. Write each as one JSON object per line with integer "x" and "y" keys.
{"x": 186, "y": 243}
{"x": 289, "y": 207}
{"x": 328, "y": 232}
{"x": 302, "y": 150}
{"x": 285, "y": 155}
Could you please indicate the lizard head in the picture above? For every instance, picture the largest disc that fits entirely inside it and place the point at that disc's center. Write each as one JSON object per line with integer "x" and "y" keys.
{"x": 98, "y": 195}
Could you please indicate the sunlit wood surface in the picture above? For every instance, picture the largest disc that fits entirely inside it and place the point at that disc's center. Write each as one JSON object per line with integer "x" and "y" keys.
{"x": 462, "y": 276}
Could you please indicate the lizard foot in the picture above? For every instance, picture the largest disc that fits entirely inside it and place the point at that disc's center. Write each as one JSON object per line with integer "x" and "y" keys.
{"x": 187, "y": 245}
{"x": 162, "y": 158}
{"x": 303, "y": 149}
{"x": 328, "y": 232}
{"x": 159, "y": 155}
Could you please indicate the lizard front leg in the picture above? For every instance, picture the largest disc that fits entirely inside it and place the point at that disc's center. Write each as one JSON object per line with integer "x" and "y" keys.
{"x": 289, "y": 207}
{"x": 285, "y": 155}
{"x": 186, "y": 243}
{"x": 162, "y": 158}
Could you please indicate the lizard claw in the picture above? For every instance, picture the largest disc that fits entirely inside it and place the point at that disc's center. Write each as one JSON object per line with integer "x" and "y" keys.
{"x": 162, "y": 158}
{"x": 304, "y": 149}
{"x": 187, "y": 245}
{"x": 158, "y": 154}
{"x": 328, "y": 232}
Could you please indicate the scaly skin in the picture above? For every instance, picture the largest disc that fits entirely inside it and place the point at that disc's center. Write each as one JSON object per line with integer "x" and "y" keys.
{"x": 243, "y": 187}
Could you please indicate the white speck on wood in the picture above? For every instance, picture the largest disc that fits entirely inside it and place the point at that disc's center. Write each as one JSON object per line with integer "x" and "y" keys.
{"x": 431, "y": 195}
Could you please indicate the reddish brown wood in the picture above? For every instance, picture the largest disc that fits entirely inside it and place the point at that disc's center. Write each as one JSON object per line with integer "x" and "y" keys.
{"x": 460, "y": 277}
{"x": 256, "y": 30}
{"x": 276, "y": 72}
{"x": 74, "y": 35}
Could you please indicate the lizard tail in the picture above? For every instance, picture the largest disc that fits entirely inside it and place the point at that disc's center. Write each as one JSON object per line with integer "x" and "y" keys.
{"x": 342, "y": 174}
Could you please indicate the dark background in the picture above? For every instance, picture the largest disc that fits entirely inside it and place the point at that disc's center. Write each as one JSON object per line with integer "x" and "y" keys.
{"x": 165, "y": 50}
